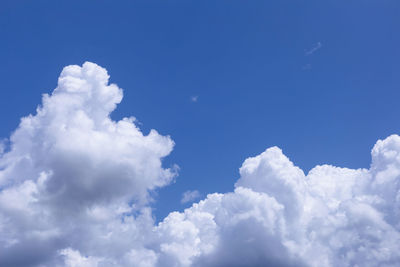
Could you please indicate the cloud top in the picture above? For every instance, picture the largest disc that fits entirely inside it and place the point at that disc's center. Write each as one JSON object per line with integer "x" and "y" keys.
{"x": 277, "y": 216}
{"x": 72, "y": 172}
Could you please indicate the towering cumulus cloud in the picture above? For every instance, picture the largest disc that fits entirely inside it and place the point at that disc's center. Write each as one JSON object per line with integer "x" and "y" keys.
{"x": 75, "y": 192}
{"x": 70, "y": 174}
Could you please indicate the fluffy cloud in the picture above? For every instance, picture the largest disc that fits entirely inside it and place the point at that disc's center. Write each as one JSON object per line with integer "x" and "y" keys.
{"x": 75, "y": 192}
{"x": 74, "y": 259}
{"x": 277, "y": 216}
{"x": 71, "y": 173}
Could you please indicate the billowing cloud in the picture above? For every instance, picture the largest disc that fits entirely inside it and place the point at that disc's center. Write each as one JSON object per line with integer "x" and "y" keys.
{"x": 75, "y": 192}
{"x": 71, "y": 174}
{"x": 278, "y": 216}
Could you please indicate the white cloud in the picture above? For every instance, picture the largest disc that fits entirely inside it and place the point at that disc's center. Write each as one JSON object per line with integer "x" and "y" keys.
{"x": 189, "y": 196}
{"x": 194, "y": 98}
{"x": 278, "y": 216}
{"x": 74, "y": 259}
{"x": 316, "y": 47}
{"x": 75, "y": 192}
{"x": 71, "y": 173}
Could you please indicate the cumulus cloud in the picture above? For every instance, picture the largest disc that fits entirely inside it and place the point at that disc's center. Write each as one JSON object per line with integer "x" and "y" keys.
{"x": 75, "y": 192}
{"x": 189, "y": 196}
{"x": 72, "y": 173}
{"x": 278, "y": 216}
{"x": 74, "y": 259}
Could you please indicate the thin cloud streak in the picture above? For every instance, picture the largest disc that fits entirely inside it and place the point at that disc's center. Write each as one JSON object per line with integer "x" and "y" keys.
{"x": 314, "y": 49}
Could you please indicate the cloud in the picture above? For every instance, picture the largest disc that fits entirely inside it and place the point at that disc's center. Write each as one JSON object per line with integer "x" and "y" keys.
{"x": 75, "y": 192}
{"x": 72, "y": 172}
{"x": 278, "y": 216}
{"x": 2, "y": 147}
{"x": 189, "y": 196}
{"x": 74, "y": 259}
{"x": 314, "y": 49}
{"x": 194, "y": 98}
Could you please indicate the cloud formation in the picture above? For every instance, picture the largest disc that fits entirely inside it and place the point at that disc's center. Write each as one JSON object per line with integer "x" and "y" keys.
{"x": 71, "y": 174}
{"x": 74, "y": 191}
{"x": 278, "y": 216}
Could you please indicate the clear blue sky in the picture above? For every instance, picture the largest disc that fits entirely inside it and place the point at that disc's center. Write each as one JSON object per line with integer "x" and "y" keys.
{"x": 319, "y": 79}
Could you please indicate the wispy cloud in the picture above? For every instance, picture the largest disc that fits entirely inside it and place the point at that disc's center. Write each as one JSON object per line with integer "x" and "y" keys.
{"x": 190, "y": 196}
{"x": 194, "y": 98}
{"x": 306, "y": 67}
{"x": 316, "y": 47}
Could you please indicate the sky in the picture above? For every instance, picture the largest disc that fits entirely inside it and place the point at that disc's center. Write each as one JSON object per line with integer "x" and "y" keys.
{"x": 221, "y": 82}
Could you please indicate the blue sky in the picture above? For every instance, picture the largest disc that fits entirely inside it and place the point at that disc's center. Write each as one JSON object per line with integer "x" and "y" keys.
{"x": 319, "y": 79}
